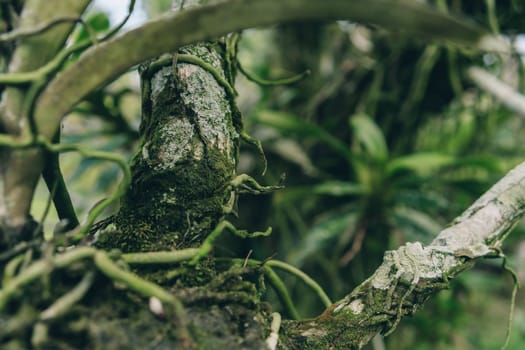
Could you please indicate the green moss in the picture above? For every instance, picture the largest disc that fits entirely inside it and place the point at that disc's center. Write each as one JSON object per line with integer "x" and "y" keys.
{"x": 187, "y": 158}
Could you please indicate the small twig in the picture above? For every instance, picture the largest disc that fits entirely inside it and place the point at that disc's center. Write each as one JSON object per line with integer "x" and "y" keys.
{"x": 115, "y": 30}
{"x": 245, "y": 263}
{"x": 492, "y": 16}
{"x": 512, "y": 299}
{"x": 191, "y": 59}
{"x": 25, "y": 32}
{"x": 54, "y": 179}
{"x": 258, "y": 145}
{"x": 244, "y": 183}
{"x": 264, "y": 82}
{"x": 282, "y": 292}
{"x": 159, "y": 257}
{"x": 303, "y": 277}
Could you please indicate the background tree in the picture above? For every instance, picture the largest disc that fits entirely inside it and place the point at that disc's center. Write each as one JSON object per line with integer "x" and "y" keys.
{"x": 364, "y": 156}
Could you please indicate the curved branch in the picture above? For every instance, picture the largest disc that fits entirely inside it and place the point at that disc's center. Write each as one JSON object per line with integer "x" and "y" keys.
{"x": 108, "y": 60}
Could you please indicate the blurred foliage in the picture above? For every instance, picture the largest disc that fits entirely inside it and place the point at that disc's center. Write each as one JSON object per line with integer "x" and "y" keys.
{"x": 385, "y": 142}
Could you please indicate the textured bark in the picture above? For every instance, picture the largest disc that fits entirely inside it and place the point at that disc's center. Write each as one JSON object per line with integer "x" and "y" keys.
{"x": 181, "y": 186}
{"x": 187, "y": 158}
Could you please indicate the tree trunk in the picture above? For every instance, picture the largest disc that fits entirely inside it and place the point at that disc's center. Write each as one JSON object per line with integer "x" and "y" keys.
{"x": 183, "y": 184}
{"x": 182, "y": 188}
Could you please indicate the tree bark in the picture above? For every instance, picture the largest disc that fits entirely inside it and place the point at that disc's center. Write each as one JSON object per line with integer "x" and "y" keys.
{"x": 189, "y": 149}
{"x": 183, "y": 184}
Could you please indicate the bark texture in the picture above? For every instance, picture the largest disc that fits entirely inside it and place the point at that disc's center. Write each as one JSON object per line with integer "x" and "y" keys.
{"x": 182, "y": 170}
{"x": 181, "y": 189}
{"x": 182, "y": 186}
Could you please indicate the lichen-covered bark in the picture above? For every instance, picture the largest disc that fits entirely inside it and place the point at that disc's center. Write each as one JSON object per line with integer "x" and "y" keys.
{"x": 187, "y": 158}
{"x": 411, "y": 274}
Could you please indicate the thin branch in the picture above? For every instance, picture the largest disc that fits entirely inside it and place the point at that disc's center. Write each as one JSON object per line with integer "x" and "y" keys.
{"x": 303, "y": 277}
{"x": 149, "y": 258}
{"x": 65, "y": 302}
{"x": 54, "y": 179}
{"x": 23, "y": 32}
{"x": 266, "y": 82}
{"x": 509, "y": 97}
{"x": 282, "y": 292}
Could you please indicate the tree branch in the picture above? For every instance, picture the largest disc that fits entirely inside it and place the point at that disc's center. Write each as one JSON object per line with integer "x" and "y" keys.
{"x": 507, "y": 95}
{"x": 409, "y": 275}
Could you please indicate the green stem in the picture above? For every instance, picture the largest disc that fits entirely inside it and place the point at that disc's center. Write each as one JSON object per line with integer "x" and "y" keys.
{"x": 492, "y": 17}
{"x": 282, "y": 292}
{"x": 303, "y": 277}
{"x": 222, "y": 226}
{"x": 191, "y": 59}
{"x": 265, "y": 82}
{"x": 54, "y": 179}
{"x": 65, "y": 302}
{"x": 172, "y": 257}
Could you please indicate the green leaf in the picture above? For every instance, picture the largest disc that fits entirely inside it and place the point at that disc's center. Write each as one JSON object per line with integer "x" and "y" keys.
{"x": 369, "y": 136}
{"x": 337, "y": 188}
{"x": 289, "y": 123}
{"x": 415, "y": 224}
{"x": 328, "y": 188}
{"x": 98, "y": 22}
{"x": 292, "y": 151}
{"x": 422, "y": 164}
{"x": 486, "y": 162}
{"x": 321, "y": 235}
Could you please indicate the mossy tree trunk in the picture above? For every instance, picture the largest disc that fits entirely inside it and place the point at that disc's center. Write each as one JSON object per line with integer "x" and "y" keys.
{"x": 187, "y": 158}
{"x": 183, "y": 185}
{"x": 182, "y": 188}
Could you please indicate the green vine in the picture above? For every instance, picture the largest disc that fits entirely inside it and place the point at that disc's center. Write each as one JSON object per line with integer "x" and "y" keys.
{"x": 79, "y": 232}
{"x": 224, "y": 225}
